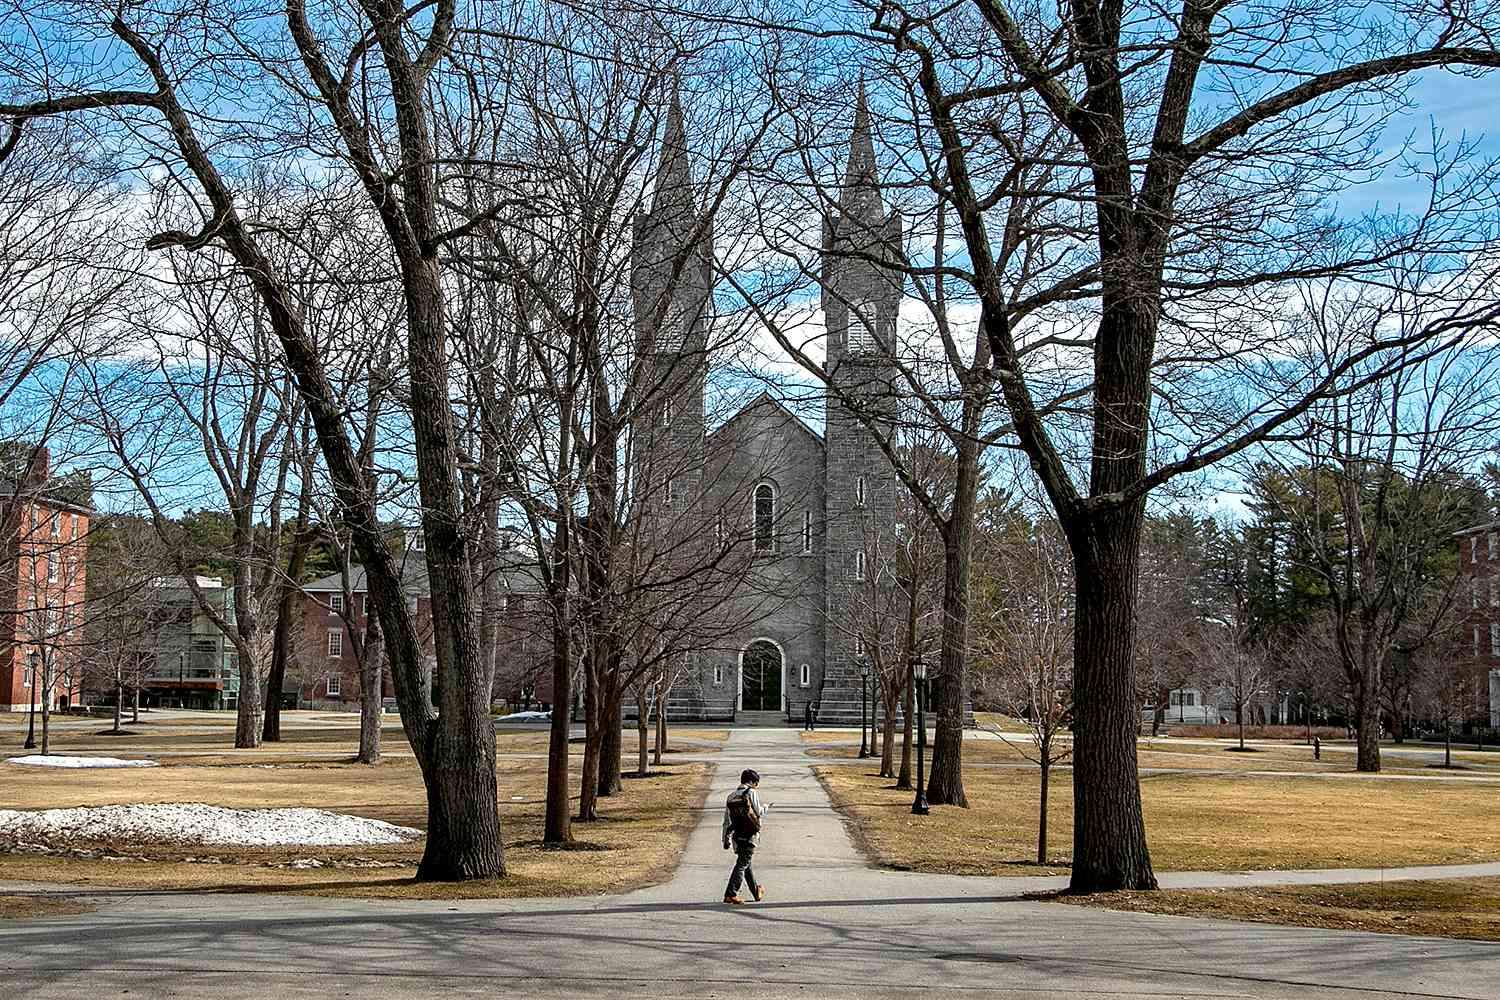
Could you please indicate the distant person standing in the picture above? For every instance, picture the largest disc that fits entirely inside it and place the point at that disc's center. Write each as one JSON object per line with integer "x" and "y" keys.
{"x": 743, "y": 814}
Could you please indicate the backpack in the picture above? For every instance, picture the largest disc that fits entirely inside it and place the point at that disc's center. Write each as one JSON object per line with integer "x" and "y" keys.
{"x": 742, "y": 818}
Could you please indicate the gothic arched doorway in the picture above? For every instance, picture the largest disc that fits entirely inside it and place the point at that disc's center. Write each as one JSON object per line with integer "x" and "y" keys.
{"x": 760, "y": 677}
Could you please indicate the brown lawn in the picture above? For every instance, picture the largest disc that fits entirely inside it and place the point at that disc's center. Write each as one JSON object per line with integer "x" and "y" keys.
{"x": 21, "y": 906}
{"x": 1454, "y": 908}
{"x": 1193, "y": 823}
{"x": 637, "y": 841}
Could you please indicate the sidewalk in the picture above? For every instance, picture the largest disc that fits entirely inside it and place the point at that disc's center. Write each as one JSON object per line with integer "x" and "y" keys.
{"x": 806, "y": 855}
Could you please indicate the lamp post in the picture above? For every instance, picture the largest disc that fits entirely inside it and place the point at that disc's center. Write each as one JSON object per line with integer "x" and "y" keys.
{"x": 919, "y": 681}
{"x": 30, "y": 743}
{"x": 864, "y": 678}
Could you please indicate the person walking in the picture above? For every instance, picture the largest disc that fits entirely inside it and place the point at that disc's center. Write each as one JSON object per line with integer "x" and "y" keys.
{"x": 744, "y": 812}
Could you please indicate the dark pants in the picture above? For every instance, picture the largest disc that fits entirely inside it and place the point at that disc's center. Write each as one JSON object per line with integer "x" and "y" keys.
{"x": 744, "y": 850}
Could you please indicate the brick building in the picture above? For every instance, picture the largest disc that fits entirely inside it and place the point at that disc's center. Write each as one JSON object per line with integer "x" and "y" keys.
{"x": 45, "y": 524}
{"x": 1479, "y": 604}
{"x": 335, "y": 613}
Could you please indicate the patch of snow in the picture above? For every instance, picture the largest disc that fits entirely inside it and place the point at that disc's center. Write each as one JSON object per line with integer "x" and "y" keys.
{"x": 57, "y": 760}
{"x": 197, "y": 823}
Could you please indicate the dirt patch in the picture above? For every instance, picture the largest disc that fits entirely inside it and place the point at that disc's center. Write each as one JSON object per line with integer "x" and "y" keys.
{"x": 29, "y": 906}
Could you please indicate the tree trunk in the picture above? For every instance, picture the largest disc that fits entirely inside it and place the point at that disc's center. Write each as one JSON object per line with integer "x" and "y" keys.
{"x": 371, "y": 692}
{"x": 1041, "y": 834}
{"x": 1447, "y": 745}
{"x": 642, "y": 731}
{"x": 1109, "y": 829}
{"x": 46, "y": 703}
{"x": 888, "y": 741}
{"x": 119, "y": 700}
{"x": 903, "y": 776}
{"x": 612, "y": 734}
{"x": 247, "y": 720}
{"x": 558, "y": 827}
{"x": 661, "y": 727}
{"x": 1368, "y": 727}
{"x": 286, "y": 610}
{"x": 945, "y": 779}
{"x": 135, "y": 706}
{"x": 461, "y": 787}
{"x": 1239, "y": 716}
{"x": 588, "y": 788}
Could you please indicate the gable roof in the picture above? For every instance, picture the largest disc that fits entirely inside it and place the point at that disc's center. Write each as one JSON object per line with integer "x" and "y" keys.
{"x": 765, "y": 398}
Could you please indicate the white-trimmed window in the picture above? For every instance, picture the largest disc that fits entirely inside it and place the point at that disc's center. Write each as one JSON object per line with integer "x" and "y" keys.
{"x": 336, "y": 603}
{"x": 335, "y": 643}
{"x": 1494, "y": 639}
{"x": 806, "y": 531}
{"x": 419, "y": 541}
{"x": 1473, "y": 548}
{"x": 335, "y": 685}
{"x": 804, "y": 675}
{"x": 859, "y": 564}
{"x": 1476, "y": 642}
{"x": 52, "y": 564}
{"x": 1494, "y": 592}
{"x": 57, "y": 528}
{"x": 1492, "y": 540}
{"x": 366, "y": 604}
{"x": 859, "y": 491}
{"x": 1473, "y": 592}
{"x": 765, "y": 517}
{"x": 718, "y": 674}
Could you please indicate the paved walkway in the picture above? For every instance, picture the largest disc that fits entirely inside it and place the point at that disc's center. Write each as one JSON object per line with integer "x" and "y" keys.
{"x": 831, "y": 927}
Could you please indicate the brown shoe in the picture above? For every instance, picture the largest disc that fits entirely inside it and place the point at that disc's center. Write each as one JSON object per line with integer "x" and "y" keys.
{"x": 734, "y": 901}
{"x": 759, "y": 892}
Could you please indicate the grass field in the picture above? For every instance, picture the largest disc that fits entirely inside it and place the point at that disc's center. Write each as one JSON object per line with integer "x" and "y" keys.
{"x": 1454, "y": 908}
{"x": 637, "y": 840}
{"x": 1193, "y": 822}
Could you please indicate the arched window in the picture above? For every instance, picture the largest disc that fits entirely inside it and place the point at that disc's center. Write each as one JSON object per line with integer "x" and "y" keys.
{"x": 859, "y": 565}
{"x": 859, "y": 491}
{"x": 804, "y": 675}
{"x": 765, "y": 518}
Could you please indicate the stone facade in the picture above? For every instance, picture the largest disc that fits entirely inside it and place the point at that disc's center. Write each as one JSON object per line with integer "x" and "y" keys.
{"x": 808, "y": 510}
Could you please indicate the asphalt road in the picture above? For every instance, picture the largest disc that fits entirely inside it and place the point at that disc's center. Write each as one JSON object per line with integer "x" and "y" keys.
{"x": 831, "y": 927}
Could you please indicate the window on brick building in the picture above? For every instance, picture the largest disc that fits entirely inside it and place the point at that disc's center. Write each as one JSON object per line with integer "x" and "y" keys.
{"x": 335, "y": 685}
{"x": 57, "y": 524}
{"x": 859, "y": 645}
{"x": 1494, "y": 639}
{"x": 335, "y": 643}
{"x": 718, "y": 674}
{"x": 52, "y": 564}
{"x": 1474, "y": 549}
{"x": 1492, "y": 541}
{"x": 336, "y": 603}
{"x": 1473, "y": 592}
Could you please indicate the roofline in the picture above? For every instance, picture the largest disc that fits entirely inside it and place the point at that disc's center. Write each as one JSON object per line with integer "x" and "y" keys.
{"x": 787, "y": 411}
{"x": 1462, "y": 532}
